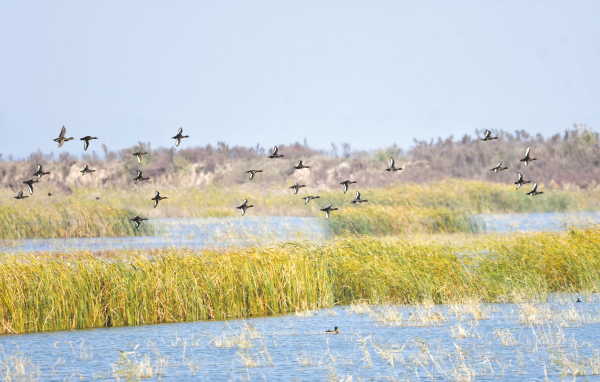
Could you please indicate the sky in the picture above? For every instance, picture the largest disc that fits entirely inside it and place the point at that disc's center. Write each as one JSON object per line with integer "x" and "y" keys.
{"x": 369, "y": 73}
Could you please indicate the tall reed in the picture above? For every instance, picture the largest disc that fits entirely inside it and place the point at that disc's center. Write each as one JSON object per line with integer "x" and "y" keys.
{"x": 82, "y": 291}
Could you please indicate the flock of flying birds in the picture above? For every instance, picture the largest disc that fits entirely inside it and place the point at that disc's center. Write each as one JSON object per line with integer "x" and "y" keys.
{"x": 252, "y": 173}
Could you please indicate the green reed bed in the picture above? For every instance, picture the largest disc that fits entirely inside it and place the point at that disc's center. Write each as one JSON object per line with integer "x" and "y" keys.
{"x": 82, "y": 291}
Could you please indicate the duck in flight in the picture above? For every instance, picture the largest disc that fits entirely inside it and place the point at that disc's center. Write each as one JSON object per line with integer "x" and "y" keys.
{"x": 139, "y": 177}
{"x": 86, "y": 141}
{"x": 61, "y": 137}
{"x": 392, "y": 166}
{"x": 179, "y": 136}
{"x": 534, "y": 191}
{"x": 296, "y": 187}
{"x": 309, "y": 198}
{"x": 86, "y": 170}
{"x": 527, "y": 158}
{"x": 521, "y": 181}
{"x": 29, "y": 184}
{"x": 346, "y": 184}
{"x": 157, "y": 198}
{"x": 498, "y": 168}
{"x": 20, "y": 195}
{"x": 139, "y": 154}
{"x": 138, "y": 220}
{"x": 40, "y": 172}
{"x": 358, "y": 200}
{"x": 328, "y": 210}
{"x": 244, "y": 207}
{"x": 300, "y": 166}
{"x": 251, "y": 173}
{"x": 275, "y": 153}
{"x": 334, "y": 331}
{"x": 488, "y": 136}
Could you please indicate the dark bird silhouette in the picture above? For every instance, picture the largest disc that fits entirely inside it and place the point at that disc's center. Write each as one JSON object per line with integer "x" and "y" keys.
{"x": 97, "y": 198}
{"x": 49, "y": 194}
{"x": 86, "y": 141}
{"x": 157, "y": 198}
{"x": 61, "y": 137}
{"x": 358, "y": 200}
{"x": 244, "y": 207}
{"x": 488, "y": 136}
{"x": 86, "y": 170}
{"x": 328, "y": 210}
{"x": 139, "y": 177}
{"x": 521, "y": 181}
{"x": 300, "y": 166}
{"x": 392, "y": 166}
{"x": 334, "y": 331}
{"x": 309, "y": 198}
{"x": 578, "y": 300}
{"x": 275, "y": 153}
{"x": 251, "y": 173}
{"x": 138, "y": 220}
{"x": 296, "y": 187}
{"x": 139, "y": 154}
{"x": 346, "y": 184}
{"x": 40, "y": 172}
{"x": 20, "y": 195}
{"x": 534, "y": 191}
{"x": 29, "y": 184}
{"x": 498, "y": 168}
{"x": 179, "y": 136}
{"x": 527, "y": 158}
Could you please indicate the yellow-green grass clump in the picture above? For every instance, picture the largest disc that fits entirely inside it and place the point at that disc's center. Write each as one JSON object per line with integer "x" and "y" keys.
{"x": 67, "y": 220}
{"x": 82, "y": 291}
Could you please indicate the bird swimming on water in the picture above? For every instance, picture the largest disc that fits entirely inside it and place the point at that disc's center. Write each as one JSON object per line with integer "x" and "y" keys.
{"x": 328, "y": 210}
{"x": 488, "y": 136}
{"x": 138, "y": 220}
{"x": 534, "y": 191}
{"x": 40, "y": 172}
{"x": 346, "y": 184}
{"x": 358, "y": 200}
{"x": 86, "y": 170}
{"x": 309, "y": 198}
{"x": 139, "y": 177}
{"x": 334, "y": 331}
{"x": 86, "y": 141}
{"x": 296, "y": 187}
{"x": 251, "y": 173}
{"x": 498, "y": 168}
{"x": 300, "y": 166}
{"x": 521, "y": 182}
{"x": 275, "y": 153}
{"x": 392, "y": 166}
{"x": 244, "y": 207}
{"x": 29, "y": 184}
{"x": 20, "y": 195}
{"x": 61, "y": 137}
{"x": 179, "y": 136}
{"x": 139, "y": 154}
{"x": 527, "y": 158}
{"x": 157, "y": 198}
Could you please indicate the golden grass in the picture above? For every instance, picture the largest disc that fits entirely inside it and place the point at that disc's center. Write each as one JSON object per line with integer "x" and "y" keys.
{"x": 82, "y": 291}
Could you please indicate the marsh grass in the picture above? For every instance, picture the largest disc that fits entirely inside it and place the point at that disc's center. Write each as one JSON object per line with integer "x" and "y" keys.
{"x": 82, "y": 291}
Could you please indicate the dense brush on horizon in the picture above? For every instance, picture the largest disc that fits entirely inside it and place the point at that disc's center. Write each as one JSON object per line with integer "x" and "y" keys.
{"x": 570, "y": 159}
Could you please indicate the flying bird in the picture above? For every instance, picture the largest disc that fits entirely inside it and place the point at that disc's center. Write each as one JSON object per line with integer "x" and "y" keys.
{"x": 251, "y": 173}
{"x": 296, "y": 187}
{"x": 328, "y": 210}
{"x": 521, "y": 181}
{"x": 300, "y": 166}
{"x": 139, "y": 177}
{"x": 20, "y": 195}
{"x": 392, "y": 166}
{"x": 40, "y": 172}
{"x": 309, "y": 198}
{"x": 527, "y": 158}
{"x": 347, "y": 183}
{"x": 139, "y": 154}
{"x": 61, "y": 137}
{"x": 179, "y": 136}
{"x": 138, "y": 220}
{"x": 534, "y": 191}
{"x": 358, "y": 200}
{"x": 86, "y": 170}
{"x": 498, "y": 168}
{"x": 275, "y": 153}
{"x": 157, "y": 198}
{"x": 86, "y": 141}
{"x": 488, "y": 136}
{"x": 29, "y": 184}
{"x": 244, "y": 207}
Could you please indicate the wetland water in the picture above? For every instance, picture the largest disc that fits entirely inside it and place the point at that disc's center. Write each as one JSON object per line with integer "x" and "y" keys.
{"x": 196, "y": 233}
{"x": 472, "y": 341}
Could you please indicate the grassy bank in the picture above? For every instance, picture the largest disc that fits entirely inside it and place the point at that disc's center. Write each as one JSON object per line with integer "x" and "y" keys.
{"x": 82, "y": 291}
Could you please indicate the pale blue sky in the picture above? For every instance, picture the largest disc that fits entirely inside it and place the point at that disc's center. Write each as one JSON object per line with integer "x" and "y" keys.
{"x": 369, "y": 73}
